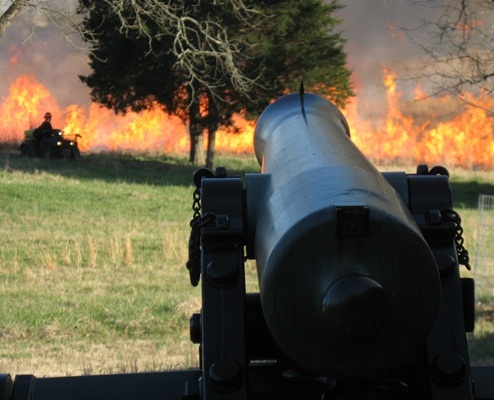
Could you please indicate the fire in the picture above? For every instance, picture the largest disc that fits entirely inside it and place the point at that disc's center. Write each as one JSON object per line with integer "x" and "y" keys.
{"x": 467, "y": 140}
{"x": 99, "y": 129}
{"x": 391, "y": 139}
{"x": 464, "y": 140}
{"x": 149, "y": 131}
{"x": 23, "y": 107}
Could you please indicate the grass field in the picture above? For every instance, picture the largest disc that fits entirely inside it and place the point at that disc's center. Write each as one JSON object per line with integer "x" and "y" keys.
{"x": 92, "y": 262}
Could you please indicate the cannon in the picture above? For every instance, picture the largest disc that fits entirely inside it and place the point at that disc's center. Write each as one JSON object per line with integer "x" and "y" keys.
{"x": 360, "y": 294}
{"x": 348, "y": 283}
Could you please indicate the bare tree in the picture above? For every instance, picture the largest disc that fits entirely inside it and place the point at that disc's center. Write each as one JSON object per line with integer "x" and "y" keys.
{"x": 202, "y": 48}
{"x": 10, "y": 13}
{"x": 60, "y": 13}
{"x": 458, "y": 44}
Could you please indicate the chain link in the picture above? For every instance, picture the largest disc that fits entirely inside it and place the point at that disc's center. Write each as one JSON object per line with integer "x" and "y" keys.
{"x": 196, "y": 204}
{"x": 194, "y": 262}
{"x": 197, "y": 222}
{"x": 463, "y": 257}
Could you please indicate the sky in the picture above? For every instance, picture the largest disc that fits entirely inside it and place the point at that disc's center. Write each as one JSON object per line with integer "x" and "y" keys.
{"x": 372, "y": 44}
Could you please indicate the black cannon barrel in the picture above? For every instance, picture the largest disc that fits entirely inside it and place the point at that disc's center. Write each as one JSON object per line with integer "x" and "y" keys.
{"x": 349, "y": 287}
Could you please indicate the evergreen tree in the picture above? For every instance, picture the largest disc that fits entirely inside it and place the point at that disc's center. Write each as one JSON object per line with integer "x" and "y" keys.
{"x": 126, "y": 74}
{"x": 287, "y": 42}
{"x": 298, "y": 41}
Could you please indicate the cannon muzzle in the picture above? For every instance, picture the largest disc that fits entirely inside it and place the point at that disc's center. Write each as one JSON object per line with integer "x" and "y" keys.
{"x": 348, "y": 284}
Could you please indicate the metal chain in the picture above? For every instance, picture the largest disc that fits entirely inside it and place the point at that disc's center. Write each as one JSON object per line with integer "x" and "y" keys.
{"x": 463, "y": 257}
{"x": 194, "y": 262}
{"x": 196, "y": 223}
{"x": 196, "y": 204}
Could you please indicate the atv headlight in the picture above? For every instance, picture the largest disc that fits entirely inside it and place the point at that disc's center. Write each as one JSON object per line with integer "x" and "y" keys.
{"x": 59, "y": 143}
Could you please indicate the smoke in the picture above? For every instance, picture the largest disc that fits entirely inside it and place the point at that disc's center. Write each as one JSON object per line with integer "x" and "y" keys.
{"x": 32, "y": 46}
{"x": 376, "y": 39}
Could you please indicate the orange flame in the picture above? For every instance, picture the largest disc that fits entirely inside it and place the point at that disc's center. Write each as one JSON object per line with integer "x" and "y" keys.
{"x": 99, "y": 129}
{"x": 465, "y": 140}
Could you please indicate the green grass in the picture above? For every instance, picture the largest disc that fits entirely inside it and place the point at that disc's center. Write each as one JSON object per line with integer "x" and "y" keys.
{"x": 92, "y": 261}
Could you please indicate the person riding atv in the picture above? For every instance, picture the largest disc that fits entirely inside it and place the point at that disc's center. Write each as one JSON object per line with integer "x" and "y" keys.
{"x": 45, "y": 128}
{"x": 47, "y": 142}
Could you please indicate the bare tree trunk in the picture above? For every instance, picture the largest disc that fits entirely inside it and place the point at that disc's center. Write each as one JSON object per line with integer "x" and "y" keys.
{"x": 196, "y": 155}
{"x": 211, "y": 149}
{"x": 9, "y": 15}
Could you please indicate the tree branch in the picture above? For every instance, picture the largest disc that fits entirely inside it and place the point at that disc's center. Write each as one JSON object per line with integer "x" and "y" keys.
{"x": 204, "y": 51}
{"x": 9, "y": 15}
{"x": 458, "y": 46}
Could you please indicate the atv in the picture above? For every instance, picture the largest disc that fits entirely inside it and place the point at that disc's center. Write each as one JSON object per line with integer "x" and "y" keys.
{"x": 51, "y": 144}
